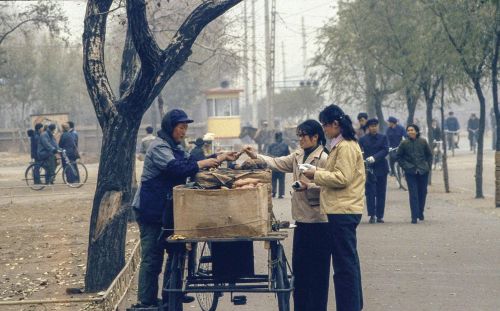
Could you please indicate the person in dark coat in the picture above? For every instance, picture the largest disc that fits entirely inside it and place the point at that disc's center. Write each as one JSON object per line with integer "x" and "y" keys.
{"x": 68, "y": 143}
{"x": 34, "y": 136}
{"x": 375, "y": 148}
{"x": 278, "y": 149}
{"x": 198, "y": 153}
{"x": 395, "y": 134}
{"x": 362, "y": 119}
{"x": 472, "y": 129}
{"x": 452, "y": 125}
{"x": 415, "y": 158}
{"x": 46, "y": 150}
{"x": 166, "y": 165}
{"x": 73, "y": 131}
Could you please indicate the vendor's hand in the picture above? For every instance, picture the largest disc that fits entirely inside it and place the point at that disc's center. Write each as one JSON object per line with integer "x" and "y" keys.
{"x": 228, "y": 156}
{"x": 208, "y": 163}
{"x": 309, "y": 173}
{"x": 370, "y": 160}
{"x": 250, "y": 151}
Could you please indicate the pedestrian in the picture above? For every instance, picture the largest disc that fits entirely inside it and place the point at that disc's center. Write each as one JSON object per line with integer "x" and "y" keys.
{"x": 436, "y": 134}
{"x": 46, "y": 150}
{"x": 342, "y": 183}
{"x": 362, "y": 118}
{"x": 311, "y": 255}
{"x": 198, "y": 153}
{"x": 145, "y": 142}
{"x": 415, "y": 158}
{"x": 375, "y": 149}
{"x": 166, "y": 165}
{"x": 73, "y": 131}
{"x": 34, "y": 136}
{"x": 278, "y": 149}
{"x": 452, "y": 126}
{"x": 395, "y": 134}
{"x": 67, "y": 142}
{"x": 262, "y": 137}
{"x": 472, "y": 129}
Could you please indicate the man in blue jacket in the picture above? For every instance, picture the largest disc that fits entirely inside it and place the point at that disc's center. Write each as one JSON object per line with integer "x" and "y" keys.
{"x": 395, "y": 134}
{"x": 375, "y": 148}
{"x": 166, "y": 165}
{"x": 46, "y": 150}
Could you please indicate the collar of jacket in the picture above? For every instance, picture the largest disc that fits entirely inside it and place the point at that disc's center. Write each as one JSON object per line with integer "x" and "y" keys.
{"x": 316, "y": 154}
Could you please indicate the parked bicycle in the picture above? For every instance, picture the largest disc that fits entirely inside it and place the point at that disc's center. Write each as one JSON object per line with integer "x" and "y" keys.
{"x": 398, "y": 171}
{"x": 74, "y": 173}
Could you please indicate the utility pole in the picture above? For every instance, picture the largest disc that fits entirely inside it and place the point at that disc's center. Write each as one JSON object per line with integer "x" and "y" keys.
{"x": 245, "y": 62}
{"x": 270, "y": 23}
{"x": 304, "y": 47}
{"x": 255, "y": 108}
{"x": 283, "y": 62}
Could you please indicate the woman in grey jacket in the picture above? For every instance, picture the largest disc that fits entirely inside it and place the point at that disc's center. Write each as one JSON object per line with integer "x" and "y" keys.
{"x": 311, "y": 254}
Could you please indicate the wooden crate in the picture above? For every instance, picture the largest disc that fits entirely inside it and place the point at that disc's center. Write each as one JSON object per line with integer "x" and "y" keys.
{"x": 221, "y": 212}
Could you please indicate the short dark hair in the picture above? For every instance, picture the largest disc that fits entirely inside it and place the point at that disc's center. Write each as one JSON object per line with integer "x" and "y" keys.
{"x": 334, "y": 113}
{"x": 51, "y": 127}
{"x": 311, "y": 128}
{"x": 30, "y": 133}
{"x": 149, "y": 130}
{"x": 362, "y": 115}
{"x": 38, "y": 126}
{"x": 71, "y": 124}
{"x": 415, "y": 127}
{"x": 278, "y": 136}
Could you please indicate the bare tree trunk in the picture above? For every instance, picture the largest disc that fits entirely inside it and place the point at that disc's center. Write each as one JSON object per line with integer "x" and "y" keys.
{"x": 411, "y": 104}
{"x": 480, "y": 138}
{"x": 446, "y": 179}
{"x": 494, "y": 82}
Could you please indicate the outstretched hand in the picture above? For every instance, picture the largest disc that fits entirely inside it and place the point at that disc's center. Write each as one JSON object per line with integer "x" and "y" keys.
{"x": 250, "y": 151}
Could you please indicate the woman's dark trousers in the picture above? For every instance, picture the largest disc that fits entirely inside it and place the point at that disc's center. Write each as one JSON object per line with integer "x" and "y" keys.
{"x": 152, "y": 253}
{"x": 311, "y": 266}
{"x": 417, "y": 189}
{"x": 346, "y": 267}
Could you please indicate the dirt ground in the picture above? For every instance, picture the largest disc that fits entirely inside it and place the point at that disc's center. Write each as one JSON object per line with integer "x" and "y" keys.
{"x": 449, "y": 262}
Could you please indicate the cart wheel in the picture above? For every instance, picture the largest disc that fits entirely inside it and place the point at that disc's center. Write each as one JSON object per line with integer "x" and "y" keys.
{"x": 208, "y": 301}
{"x": 175, "y": 282}
{"x": 280, "y": 277}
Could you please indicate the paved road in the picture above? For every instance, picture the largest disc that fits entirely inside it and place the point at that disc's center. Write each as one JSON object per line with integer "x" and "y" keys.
{"x": 451, "y": 261}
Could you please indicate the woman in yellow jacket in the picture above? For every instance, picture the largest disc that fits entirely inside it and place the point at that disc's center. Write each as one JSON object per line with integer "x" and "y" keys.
{"x": 342, "y": 183}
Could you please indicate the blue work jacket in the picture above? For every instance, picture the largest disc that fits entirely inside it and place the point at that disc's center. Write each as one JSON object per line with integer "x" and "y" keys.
{"x": 376, "y": 146}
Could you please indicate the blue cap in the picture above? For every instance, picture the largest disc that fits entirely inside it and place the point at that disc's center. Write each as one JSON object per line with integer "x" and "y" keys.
{"x": 179, "y": 116}
{"x": 372, "y": 122}
{"x": 392, "y": 120}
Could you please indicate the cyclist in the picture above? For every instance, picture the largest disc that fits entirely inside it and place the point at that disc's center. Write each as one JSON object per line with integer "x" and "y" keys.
{"x": 436, "y": 137}
{"x": 46, "y": 150}
{"x": 472, "y": 128}
{"x": 395, "y": 134}
{"x": 375, "y": 149}
{"x": 452, "y": 126}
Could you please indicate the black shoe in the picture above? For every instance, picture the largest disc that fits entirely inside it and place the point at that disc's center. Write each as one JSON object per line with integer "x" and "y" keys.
{"x": 421, "y": 218}
{"x": 280, "y": 197}
{"x": 380, "y": 220}
{"x": 372, "y": 219}
{"x": 187, "y": 299}
{"x": 274, "y": 195}
{"x": 414, "y": 221}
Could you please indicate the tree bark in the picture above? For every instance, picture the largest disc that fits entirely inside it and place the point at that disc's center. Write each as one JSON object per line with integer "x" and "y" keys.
{"x": 446, "y": 179}
{"x": 494, "y": 82}
{"x": 411, "y": 104}
{"x": 480, "y": 138}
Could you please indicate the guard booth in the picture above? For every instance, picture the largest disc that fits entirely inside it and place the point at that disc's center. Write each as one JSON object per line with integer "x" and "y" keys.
{"x": 223, "y": 116}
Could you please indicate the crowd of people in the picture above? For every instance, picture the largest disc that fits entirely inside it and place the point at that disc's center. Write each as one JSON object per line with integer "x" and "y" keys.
{"x": 45, "y": 147}
{"x": 347, "y": 167}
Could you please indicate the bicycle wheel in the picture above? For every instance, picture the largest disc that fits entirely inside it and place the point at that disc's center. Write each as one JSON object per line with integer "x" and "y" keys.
{"x": 208, "y": 301}
{"x": 36, "y": 176}
{"x": 280, "y": 278}
{"x": 75, "y": 174}
{"x": 175, "y": 282}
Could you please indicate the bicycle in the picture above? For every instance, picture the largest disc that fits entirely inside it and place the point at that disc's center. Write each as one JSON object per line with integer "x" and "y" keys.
{"x": 437, "y": 154}
{"x": 398, "y": 171}
{"x": 452, "y": 138}
{"x": 74, "y": 173}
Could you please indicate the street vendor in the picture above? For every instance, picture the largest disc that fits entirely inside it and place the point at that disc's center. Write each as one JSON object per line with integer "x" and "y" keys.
{"x": 166, "y": 165}
{"x": 311, "y": 254}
